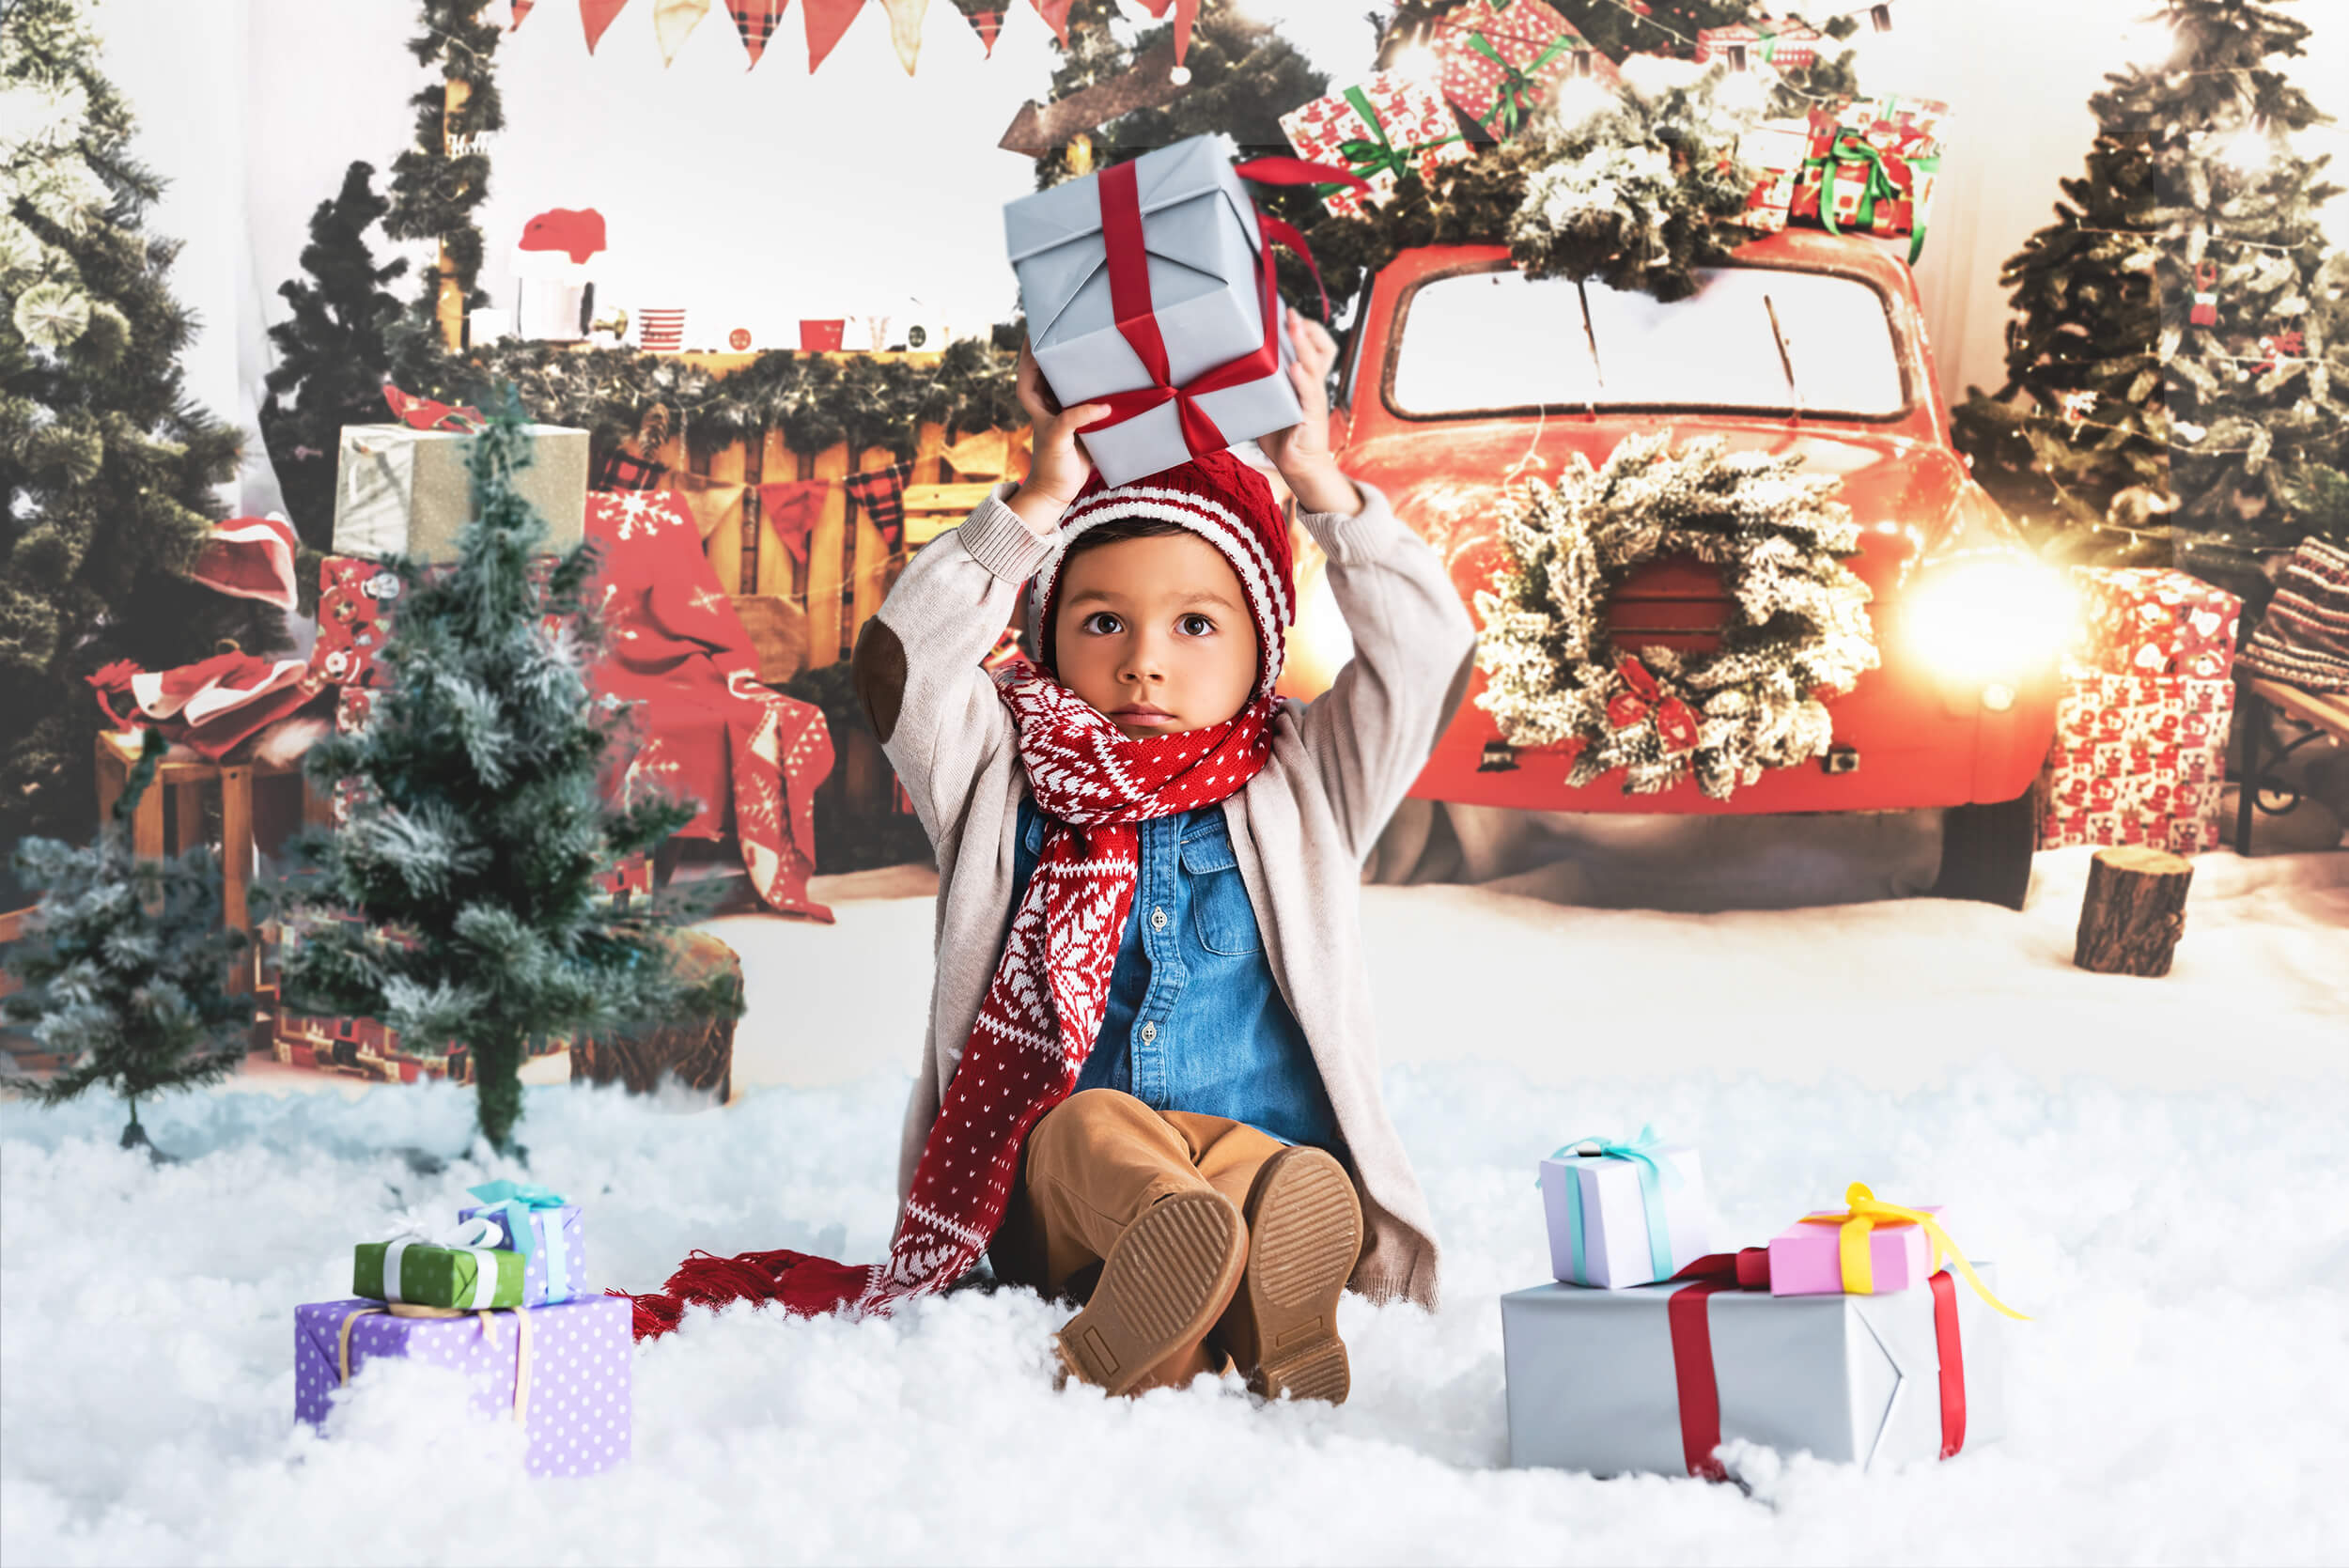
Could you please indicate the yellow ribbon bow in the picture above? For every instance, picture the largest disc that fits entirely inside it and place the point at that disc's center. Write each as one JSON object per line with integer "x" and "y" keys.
{"x": 1863, "y": 1213}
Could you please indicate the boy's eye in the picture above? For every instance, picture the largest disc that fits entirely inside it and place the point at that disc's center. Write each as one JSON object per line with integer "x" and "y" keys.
{"x": 1196, "y": 625}
{"x": 1102, "y": 624}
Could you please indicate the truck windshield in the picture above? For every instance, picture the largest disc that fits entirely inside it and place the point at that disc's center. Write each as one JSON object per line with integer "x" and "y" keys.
{"x": 1500, "y": 342}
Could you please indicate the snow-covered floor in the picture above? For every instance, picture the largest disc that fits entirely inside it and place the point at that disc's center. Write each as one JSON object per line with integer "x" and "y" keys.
{"x": 2155, "y": 1166}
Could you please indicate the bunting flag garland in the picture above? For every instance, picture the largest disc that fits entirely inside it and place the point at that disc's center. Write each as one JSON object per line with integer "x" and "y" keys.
{"x": 597, "y": 15}
{"x": 905, "y": 29}
{"x": 756, "y": 21}
{"x": 521, "y": 9}
{"x": 826, "y": 20}
{"x": 672, "y": 23}
{"x": 881, "y": 491}
{"x": 986, "y": 19}
{"x": 791, "y": 507}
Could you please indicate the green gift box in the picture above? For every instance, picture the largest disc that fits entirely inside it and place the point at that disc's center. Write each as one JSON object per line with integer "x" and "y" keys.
{"x": 468, "y": 1278}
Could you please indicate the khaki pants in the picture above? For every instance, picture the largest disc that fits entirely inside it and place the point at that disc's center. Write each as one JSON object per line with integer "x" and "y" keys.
{"x": 1091, "y": 1166}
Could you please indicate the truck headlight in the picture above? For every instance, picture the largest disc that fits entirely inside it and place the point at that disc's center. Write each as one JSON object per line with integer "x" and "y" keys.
{"x": 1988, "y": 621}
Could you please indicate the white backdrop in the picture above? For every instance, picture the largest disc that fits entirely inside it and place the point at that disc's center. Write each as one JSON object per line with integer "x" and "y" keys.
{"x": 754, "y": 198}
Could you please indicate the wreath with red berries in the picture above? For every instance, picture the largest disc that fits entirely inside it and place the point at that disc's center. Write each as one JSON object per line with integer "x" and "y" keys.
{"x": 1799, "y": 632}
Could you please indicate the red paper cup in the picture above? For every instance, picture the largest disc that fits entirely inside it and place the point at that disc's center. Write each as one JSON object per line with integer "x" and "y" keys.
{"x": 822, "y": 337}
{"x": 662, "y": 330}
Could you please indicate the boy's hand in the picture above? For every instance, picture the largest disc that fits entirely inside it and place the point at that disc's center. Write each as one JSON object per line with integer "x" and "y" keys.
{"x": 1301, "y": 451}
{"x": 1057, "y": 464}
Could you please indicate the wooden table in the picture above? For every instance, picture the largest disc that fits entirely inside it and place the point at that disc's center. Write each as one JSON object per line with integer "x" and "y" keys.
{"x": 181, "y": 776}
{"x": 2324, "y": 712}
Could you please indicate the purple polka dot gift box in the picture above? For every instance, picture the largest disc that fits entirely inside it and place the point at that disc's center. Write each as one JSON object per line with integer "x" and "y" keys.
{"x": 548, "y": 1232}
{"x": 563, "y": 1371}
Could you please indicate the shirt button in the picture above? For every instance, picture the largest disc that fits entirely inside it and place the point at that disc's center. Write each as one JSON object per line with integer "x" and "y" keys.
{"x": 1149, "y": 1033}
{"x": 1158, "y": 919}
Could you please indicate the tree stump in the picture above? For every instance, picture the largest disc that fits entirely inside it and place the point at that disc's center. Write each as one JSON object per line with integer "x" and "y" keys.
{"x": 700, "y": 1051}
{"x": 2134, "y": 911}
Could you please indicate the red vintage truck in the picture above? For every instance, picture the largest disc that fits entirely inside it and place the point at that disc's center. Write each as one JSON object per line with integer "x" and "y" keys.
{"x": 1464, "y": 376}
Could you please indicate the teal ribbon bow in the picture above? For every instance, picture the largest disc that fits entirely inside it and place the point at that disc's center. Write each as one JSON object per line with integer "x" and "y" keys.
{"x": 518, "y": 1201}
{"x": 1519, "y": 86}
{"x": 1655, "y": 1173}
{"x": 1369, "y": 156}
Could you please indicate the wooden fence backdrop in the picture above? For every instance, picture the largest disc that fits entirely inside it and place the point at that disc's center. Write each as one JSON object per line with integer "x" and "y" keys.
{"x": 849, "y": 565}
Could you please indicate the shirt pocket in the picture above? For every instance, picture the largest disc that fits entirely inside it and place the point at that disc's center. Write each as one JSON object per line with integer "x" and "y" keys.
{"x": 1221, "y": 915}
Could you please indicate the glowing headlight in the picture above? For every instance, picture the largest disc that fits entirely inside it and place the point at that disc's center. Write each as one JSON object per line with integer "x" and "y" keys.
{"x": 1974, "y": 622}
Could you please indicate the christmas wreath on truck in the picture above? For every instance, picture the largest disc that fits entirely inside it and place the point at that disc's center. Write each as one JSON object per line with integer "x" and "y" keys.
{"x": 1798, "y": 635}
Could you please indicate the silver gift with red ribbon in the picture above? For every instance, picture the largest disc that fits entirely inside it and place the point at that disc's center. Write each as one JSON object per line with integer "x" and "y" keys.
{"x": 1655, "y": 1379}
{"x": 1148, "y": 284}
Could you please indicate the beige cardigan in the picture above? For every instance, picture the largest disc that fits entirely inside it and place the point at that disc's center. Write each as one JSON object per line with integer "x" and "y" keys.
{"x": 1300, "y": 829}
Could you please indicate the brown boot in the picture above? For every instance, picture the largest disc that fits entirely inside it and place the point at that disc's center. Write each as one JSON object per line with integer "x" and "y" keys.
{"x": 1304, "y": 1235}
{"x": 1162, "y": 1287}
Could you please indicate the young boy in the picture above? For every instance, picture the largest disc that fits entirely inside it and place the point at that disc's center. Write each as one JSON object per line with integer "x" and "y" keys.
{"x": 1147, "y": 893}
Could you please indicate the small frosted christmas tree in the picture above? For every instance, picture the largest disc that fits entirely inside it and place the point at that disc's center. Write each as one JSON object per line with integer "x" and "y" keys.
{"x": 333, "y": 356}
{"x": 107, "y": 466}
{"x": 124, "y": 973}
{"x": 2171, "y": 334}
{"x": 477, "y": 829}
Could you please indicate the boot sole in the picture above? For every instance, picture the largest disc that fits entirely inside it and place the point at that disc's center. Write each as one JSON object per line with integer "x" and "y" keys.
{"x": 1303, "y": 1241}
{"x": 1162, "y": 1287}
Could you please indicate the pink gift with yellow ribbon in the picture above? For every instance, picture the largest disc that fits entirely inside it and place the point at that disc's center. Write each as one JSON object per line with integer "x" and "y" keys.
{"x": 1867, "y": 1247}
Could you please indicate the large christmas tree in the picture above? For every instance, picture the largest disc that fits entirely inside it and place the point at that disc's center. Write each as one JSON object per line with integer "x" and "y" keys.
{"x": 107, "y": 466}
{"x": 478, "y": 828}
{"x": 2168, "y": 354}
{"x": 333, "y": 354}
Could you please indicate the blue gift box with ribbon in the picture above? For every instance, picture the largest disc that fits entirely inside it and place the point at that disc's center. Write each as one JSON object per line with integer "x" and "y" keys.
{"x": 546, "y": 1229}
{"x": 1623, "y": 1213}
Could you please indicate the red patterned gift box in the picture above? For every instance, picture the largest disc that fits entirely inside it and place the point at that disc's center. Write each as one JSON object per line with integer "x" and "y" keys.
{"x": 1386, "y": 125}
{"x": 354, "y": 597}
{"x": 1777, "y": 148}
{"x": 1501, "y": 62}
{"x": 1871, "y": 169}
{"x": 2137, "y": 759}
{"x": 1790, "y": 45}
{"x": 2149, "y": 621}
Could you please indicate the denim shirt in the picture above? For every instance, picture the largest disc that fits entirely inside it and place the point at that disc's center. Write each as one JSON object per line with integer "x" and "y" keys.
{"x": 1195, "y": 1021}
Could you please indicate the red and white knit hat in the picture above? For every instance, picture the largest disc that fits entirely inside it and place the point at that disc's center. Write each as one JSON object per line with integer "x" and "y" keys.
{"x": 1217, "y": 497}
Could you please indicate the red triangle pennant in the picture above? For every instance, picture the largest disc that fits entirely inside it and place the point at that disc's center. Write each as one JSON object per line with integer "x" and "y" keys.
{"x": 987, "y": 20}
{"x": 1056, "y": 15}
{"x": 597, "y": 15}
{"x": 826, "y": 21}
{"x": 791, "y": 507}
{"x": 756, "y": 21}
{"x": 521, "y": 9}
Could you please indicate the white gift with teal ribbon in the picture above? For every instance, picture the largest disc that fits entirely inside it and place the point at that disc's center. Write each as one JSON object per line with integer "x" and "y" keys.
{"x": 1623, "y": 1213}
{"x": 546, "y": 1229}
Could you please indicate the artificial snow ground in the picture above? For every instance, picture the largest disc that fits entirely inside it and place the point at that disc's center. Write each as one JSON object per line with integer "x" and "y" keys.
{"x": 2156, "y": 1166}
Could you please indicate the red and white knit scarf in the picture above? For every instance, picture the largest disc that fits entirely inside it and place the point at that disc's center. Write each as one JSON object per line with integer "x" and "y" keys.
{"x": 1042, "y": 1010}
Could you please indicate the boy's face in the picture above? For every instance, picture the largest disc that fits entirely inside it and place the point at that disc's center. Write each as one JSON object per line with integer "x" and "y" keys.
{"x": 1156, "y": 633}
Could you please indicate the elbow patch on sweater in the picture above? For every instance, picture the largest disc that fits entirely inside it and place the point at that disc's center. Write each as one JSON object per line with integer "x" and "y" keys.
{"x": 878, "y": 666}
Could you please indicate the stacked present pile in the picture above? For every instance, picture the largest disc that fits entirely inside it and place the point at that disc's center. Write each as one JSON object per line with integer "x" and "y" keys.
{"x": 2140, "y": 746}
{"x": 1847, "y": 1336}
{"x": 501, "y": 1296}
{"x": 1868, "y": 168}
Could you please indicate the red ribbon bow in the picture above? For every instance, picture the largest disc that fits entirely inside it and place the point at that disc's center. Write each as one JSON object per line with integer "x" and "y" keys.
{"x": 423, "y": 414}
{"x": 1748, "y": 1269}
{"x": 1128, "y": 265}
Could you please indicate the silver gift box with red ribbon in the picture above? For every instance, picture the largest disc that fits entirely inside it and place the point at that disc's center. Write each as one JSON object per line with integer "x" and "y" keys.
{"x": 1148, "y": 284}
{"x": 1655, "y": 1379}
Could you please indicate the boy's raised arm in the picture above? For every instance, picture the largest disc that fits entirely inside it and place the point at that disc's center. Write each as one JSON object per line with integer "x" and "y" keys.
{"x": 917, "y": 659}
{"x": 1414, "y": 645}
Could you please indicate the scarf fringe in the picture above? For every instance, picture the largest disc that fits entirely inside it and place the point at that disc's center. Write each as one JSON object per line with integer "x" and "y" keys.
{"x": 706, "y": 1280}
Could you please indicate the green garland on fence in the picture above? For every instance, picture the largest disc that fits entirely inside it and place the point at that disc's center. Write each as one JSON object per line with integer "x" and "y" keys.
{"x": 623, "y": 395}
